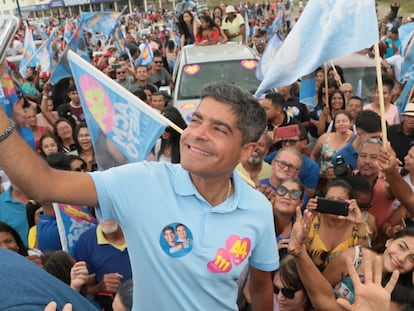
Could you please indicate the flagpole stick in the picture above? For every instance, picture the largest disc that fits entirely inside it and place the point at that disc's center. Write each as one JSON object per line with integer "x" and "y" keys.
{"x": 336, "y": 73}
{"x": 411, "y": 94}
{"x": 326, "y": 85}
{"x": 381, "y": 94}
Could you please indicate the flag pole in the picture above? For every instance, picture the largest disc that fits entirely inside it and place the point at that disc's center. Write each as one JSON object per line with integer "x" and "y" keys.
{"x": 336, "y": 73}
{"x": 411, "y": 94}
{"x": 381, "y": 94}
{"x": 326, "y": 85}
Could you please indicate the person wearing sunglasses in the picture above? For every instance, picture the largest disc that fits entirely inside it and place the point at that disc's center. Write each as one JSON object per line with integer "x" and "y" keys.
{"x": 289, "y": 293}
{"x": 158, "y": 75}
{"x": 289, "y": 195}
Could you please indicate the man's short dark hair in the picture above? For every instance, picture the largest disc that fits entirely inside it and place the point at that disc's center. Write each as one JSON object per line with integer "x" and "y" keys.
{"x": 368, "y": 121}
{"x": 251, "y": 117}
{"x": 276, "y": 98}
{"x": 72, "y": 88}
{"x": 167, "y": 228}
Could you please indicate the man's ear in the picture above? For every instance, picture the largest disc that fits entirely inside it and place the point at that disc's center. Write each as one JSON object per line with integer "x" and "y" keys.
{"x": 247, "y": 150}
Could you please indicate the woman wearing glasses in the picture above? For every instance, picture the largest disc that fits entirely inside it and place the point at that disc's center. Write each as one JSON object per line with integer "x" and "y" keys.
{"x": 288, "y": 197}
{"x": 331, "y": 234}
{"x": 289, "y": 292}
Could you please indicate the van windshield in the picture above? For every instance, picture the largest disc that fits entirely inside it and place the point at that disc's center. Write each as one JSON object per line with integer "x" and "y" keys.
{"x": 195, "y": 76}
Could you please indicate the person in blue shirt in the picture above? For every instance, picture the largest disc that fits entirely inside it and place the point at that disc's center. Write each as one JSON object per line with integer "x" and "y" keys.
{"x": 202, "y": 192}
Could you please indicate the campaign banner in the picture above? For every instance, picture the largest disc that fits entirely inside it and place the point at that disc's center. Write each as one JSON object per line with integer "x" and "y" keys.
{"x": 72, "y": 221}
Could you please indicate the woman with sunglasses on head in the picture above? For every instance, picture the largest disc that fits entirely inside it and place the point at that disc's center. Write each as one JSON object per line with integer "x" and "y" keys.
{"x": 330, "y": 234}
{"x": 289, "y": 292}
{"x": 288, "y": 197}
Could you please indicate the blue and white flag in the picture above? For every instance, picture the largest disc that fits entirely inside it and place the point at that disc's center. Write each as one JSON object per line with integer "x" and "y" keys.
{"x": 29, "y": 50}
{"x": 72, "y": 221}
{"x": 146, "y": 56}
{"x": 246, "y": 26}
{"x": 307, "y": 90}
{"x": 100, "y": 22}
{"x": 123, "y": 128}
{"x": 404, "y": 34}
{"x": 404, "y": 96}
{"x": 326, "y": 30}
{"x": 77, "y": 43}
{"x": 407, "y": 52}
{"x": 44, "y": 54}
{"x": 271, "y": 49}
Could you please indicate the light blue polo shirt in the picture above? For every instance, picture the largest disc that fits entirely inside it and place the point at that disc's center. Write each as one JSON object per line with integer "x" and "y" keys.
{"x": 150, "y": 200}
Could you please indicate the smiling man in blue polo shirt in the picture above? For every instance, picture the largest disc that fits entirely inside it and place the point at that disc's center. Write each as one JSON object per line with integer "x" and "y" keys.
{"x": 230, "y": 224}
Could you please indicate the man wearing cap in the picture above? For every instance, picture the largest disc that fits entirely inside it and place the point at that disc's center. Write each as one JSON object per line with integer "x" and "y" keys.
{"x": 233, "y": 25}
{"x": 400, "y": 135}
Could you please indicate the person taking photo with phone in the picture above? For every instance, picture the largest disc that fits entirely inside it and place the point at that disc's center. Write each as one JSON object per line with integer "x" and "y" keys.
{"x": 330, "y": 234}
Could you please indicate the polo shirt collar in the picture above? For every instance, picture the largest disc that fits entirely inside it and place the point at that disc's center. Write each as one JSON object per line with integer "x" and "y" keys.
{"x": 102, "y": 240}
{"x": 185, "y": 187}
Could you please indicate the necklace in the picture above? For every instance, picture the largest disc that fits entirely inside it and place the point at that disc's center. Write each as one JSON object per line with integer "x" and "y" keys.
{"x": 229, "y": 188}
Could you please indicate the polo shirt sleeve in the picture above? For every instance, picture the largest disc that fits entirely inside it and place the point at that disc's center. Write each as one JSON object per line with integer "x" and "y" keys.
{"x": 265, "y": 255}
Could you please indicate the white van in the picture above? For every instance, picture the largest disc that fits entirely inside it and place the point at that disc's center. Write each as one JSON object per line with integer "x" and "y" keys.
{"x": 197, "y": 65}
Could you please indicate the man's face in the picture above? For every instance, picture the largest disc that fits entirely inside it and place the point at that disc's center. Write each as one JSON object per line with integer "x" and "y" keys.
{"x": 157, "y": 102}
{"x": 286, "y": 164}
{"x": 121, "y": 74}
{"x": 261, "y": 149}
{"x": 354, "y": 107}
{"x": 74, "y": 97}
{"x": 157, "y": 63}
{"x": 181, "y": 232}
{"x": 211, "y": 144}
{"x": 271, "y": 111}
{"x": 169, "y": 235}
{"x": 347, "y": 89}
{"x": 367, "y": 158}
{"x": 294, "y": 142}
{"x": 408, "y": 122}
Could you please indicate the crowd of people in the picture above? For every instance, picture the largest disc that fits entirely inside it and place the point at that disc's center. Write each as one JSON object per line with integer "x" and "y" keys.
{"x": 228, "y": 214}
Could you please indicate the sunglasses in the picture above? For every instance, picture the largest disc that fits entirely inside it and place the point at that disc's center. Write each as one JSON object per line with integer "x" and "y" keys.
{"x": 294, "y": 194}
{"x": 364, "y": 205}
{"x": 283, "y": 164}
{"x": 119, "y": 72}
{"x": 81, "y": 168}
{"x": 290, "y": 141}
{"x": 289, "y": 293}
{"x": 156, "y": 62}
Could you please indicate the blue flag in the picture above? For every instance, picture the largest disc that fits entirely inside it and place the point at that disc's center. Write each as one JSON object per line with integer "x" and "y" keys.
{"x": 29, "y": 50}
{"x": 326, "y": 30}
{"x": 404, "y": 34}
{"x": 122, "y": 127}
{"x": 307, "y": 90}
{"x": 100, "y": 22}
{"x": 44, "y": 54}
{"x": 404, "y": 96}
{"x": 77, "y": 43}
{"x": 407, "y": 65}
{"x": 72, "y": 221}
{"x": 271, "y": 49}
{"x": 146, "y": 56}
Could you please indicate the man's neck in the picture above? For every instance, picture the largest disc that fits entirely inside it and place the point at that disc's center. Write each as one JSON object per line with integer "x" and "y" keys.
{"x": 214, "y": 190}
{"x": 278, "y": 120}
{"x": 253, "y": 169}
{"x": 116, "y": 237}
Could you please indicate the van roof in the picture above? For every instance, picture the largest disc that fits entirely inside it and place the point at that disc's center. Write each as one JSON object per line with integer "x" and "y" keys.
{"x": 221, "y": 52}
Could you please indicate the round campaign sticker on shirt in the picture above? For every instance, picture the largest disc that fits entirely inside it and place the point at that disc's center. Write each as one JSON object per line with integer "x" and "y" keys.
{"x": 176, "y": 240}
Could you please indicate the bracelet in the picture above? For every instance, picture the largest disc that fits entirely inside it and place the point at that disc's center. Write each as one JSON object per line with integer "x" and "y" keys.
{"x": 45, "y": 97}
{"x": 8, "y": 131}
{"x": 364, "y": 237}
